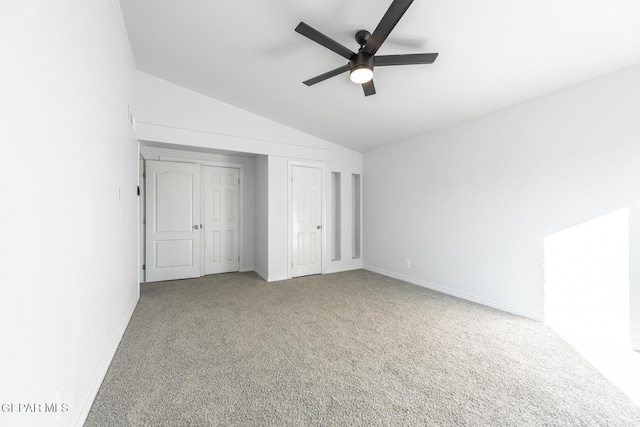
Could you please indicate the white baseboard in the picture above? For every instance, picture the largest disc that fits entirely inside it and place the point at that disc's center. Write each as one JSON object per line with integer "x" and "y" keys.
{"x": 261, "y": 274}
{"x": 247, "y": 269}
{"x": 88, "y": 402}
{"x": 457, "y": 294}
{"x": 268, "y": 278}
{"x": 331, "y": 270}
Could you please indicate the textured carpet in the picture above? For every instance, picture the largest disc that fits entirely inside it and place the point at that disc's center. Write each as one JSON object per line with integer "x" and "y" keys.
{"x": 351, "y": 348}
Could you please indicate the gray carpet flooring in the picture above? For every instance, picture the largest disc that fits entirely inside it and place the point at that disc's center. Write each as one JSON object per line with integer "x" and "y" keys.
{"x": 348, "y": 349}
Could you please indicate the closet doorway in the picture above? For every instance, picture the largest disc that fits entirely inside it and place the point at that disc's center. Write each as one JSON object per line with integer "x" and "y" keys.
{"x": 192, "y": 220}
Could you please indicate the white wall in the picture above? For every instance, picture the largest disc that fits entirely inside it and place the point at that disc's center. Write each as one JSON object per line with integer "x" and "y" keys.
{"x": 470, "y": 205}
{"x": 345, "y": 165}
{"x": 278, "y": 219}
{"x": 69, "y": 243}
{"x": 170, "y": 114}
{"x": 262, "y": 217}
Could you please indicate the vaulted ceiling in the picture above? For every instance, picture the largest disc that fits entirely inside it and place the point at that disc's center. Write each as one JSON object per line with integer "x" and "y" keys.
{"x": 492, "y": 53}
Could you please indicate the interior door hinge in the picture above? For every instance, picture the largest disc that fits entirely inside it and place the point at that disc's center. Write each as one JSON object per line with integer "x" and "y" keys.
{"x": 138, "y": 190}
{"x": 144, "y": 266}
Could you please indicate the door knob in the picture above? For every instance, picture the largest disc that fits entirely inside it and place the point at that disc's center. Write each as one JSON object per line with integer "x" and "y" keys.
{"x": 195, "y": 227}
{"x": 318, "y": 227}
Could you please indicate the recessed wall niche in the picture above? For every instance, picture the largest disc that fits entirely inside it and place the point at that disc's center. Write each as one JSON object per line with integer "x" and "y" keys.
{"x": 356, "y": 218}
{"x": 336, "y": 208}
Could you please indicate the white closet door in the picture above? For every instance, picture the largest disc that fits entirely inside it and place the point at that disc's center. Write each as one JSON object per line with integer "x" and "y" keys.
{"x": 172, "y": 221}
{"x": 307, "y": 221}
{"x": 221, "y": 219}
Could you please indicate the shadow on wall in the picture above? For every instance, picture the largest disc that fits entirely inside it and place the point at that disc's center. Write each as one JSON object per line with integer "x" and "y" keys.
{"x": 586, "y": 284}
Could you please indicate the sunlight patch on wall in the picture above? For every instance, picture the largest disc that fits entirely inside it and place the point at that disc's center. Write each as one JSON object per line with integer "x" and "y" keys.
{"x": 586, "y": 274}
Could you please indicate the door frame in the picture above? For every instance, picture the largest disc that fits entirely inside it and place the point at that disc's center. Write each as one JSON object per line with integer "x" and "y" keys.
{"x": 323, "y": 213}
{"x": 142, "y": 229}
{"x": 240, "y": 168}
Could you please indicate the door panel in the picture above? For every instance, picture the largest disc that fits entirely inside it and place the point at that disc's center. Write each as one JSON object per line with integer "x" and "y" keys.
{"x": 172, "y": 221}
{"x": 173, "y": 253}
{"x": 307, "y": 221}
{"x": 174, "y": 190}
{"x": 221, "y": 219}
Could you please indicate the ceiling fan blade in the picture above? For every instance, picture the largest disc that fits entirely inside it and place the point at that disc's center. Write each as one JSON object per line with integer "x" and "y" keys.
{"x": 388, "y": 22}
{"x": 416, "y": 58}
{"x": 327, "y": 75}
{"x": 369, "y": 88}
{"x": 318, "y": 37}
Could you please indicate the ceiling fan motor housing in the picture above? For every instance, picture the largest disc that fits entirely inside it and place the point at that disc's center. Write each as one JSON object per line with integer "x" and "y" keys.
{"x": 361, "y": 60}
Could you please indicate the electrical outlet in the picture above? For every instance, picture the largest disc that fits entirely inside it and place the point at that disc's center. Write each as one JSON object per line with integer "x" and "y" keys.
{"x": 407, "y": 263}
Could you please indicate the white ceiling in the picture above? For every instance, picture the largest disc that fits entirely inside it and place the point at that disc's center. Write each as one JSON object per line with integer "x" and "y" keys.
{"x": 493, "y": 53}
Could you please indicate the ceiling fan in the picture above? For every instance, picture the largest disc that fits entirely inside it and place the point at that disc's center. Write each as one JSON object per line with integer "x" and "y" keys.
{"x": 361, "y": 64}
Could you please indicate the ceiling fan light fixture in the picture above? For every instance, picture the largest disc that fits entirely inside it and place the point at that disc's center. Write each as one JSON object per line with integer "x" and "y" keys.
{"x": 361, "y": 66}
{"x": 361, "y": 74}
